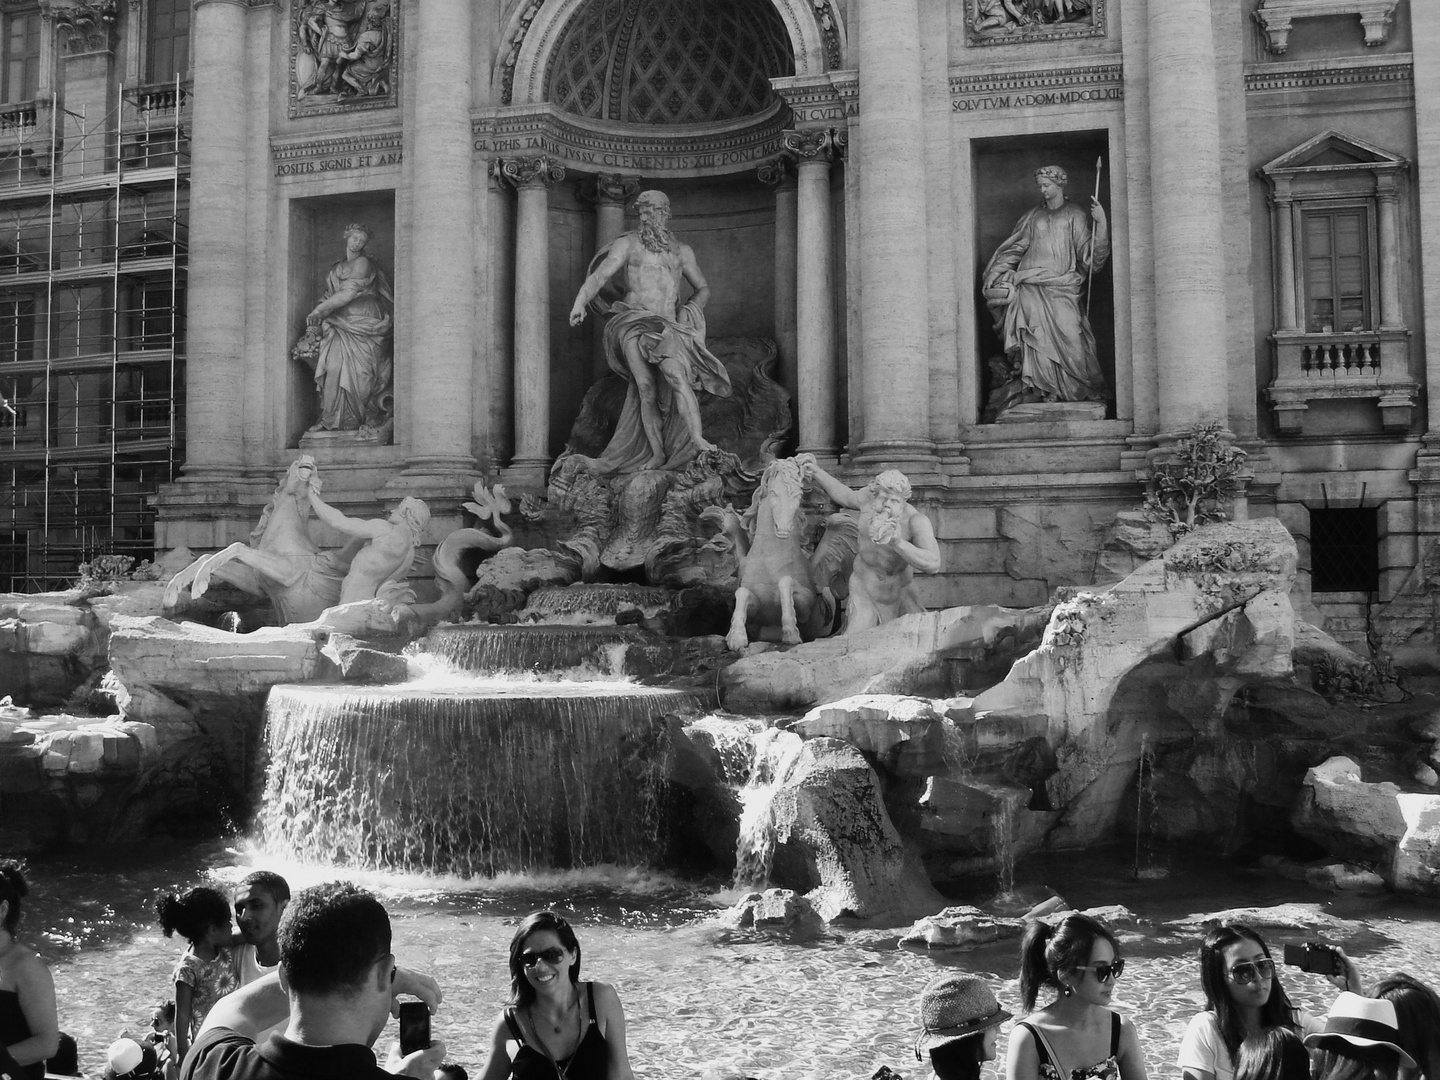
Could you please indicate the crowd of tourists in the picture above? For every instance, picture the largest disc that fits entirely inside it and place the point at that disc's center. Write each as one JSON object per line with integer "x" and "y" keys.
{"x": 300, "y": 988}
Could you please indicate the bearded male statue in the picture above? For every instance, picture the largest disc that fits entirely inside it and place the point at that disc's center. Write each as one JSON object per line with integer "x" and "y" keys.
{"x": 654, "y": 342}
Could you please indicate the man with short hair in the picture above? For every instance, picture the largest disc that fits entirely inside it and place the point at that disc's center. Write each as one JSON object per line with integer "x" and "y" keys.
{"x": 260, "y": 900}
{"x": 334, "y": 991}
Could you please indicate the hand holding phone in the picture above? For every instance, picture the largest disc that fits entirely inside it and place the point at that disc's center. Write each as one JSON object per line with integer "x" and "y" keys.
{"x": 1315, "y": 957}
{"x": 414, "y": 1026}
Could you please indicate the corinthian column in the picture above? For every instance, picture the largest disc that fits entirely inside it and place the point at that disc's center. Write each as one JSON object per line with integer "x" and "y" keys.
{"x": 214, "y": 371}
{"x": 779, "y": 176}
{"x": 894, "y": 313}
{"x": 444, "y": 261}
{"x": 1185, "y": 179}
{"x": 533, "y": 178}
{"x": 814, "y": 292}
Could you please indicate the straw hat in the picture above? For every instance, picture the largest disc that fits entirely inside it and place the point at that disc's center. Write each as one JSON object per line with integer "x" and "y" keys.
{"x": 954, "y": 1006}
{"x": 1362, "y": 1021}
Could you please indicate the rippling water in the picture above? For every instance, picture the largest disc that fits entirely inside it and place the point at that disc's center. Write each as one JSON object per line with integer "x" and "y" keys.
{"x": 696, "y": 999}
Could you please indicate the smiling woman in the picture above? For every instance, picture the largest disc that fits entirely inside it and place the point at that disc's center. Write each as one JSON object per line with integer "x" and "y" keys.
{"x": 555, "y": 1024}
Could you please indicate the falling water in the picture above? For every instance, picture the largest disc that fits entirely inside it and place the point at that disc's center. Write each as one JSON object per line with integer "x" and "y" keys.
{"x": 473, "y": 779}
{"x": 773, "y": 754}
{"x": 1003, "y": 822}
{"x": 1147, "y": 859}
{"x": 594, "y": 601}
{"x": 545, "y": 649}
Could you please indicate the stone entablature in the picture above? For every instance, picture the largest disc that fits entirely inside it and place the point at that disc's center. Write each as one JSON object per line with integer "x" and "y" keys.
{"x": 310, "y": 156}
{"x": 1079, "y": 84}
{"x": 1277, "y": 16}
{"x": 1342, "y": 74}
{"x": 589, "y": 147}
{"x": 821, "y": 101}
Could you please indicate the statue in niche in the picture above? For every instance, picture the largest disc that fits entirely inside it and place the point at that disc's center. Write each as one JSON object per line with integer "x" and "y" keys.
{"x": 895, "y": 540}
{"x": 349, "y": 48}
{"x": 1033, "y": 286}
{"x": 348, "y": 341}
{"x": 654, "y": 342}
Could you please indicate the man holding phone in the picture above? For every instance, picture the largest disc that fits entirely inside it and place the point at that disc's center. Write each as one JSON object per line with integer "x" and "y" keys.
{"x": 336, "y": 987}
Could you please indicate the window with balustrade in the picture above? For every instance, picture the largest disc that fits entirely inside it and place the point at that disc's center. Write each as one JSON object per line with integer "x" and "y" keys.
{"x": 20, "y": 56}
{"x": 167, "y": 40}
{"x": 1339, "y": 326}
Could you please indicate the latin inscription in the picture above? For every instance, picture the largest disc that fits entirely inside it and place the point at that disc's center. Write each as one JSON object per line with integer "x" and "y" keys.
{"x": 1035, "y": 99}
{"x": 343, "y": 163}
{"x": 615, "y": 159}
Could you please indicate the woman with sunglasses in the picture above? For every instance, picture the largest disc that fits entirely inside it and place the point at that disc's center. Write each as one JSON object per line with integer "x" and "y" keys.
{"x": 556, "y": 1027}
{"x": 1076, "y": 1036}
{"x": 1244, "y": 998}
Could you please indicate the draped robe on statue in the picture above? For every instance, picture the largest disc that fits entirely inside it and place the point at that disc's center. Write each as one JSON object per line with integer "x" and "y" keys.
{"x": 1046, "y": 261}
{"x": 658, "y": 337}
{"x": 354, "y": 369}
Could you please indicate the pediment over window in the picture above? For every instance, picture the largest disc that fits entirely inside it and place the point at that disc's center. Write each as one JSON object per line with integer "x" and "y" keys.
{"x": 1276, "y": 17}
{"x": 1333, "y": 151}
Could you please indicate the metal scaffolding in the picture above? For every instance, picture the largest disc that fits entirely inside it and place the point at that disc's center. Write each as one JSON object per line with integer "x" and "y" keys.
{"x": 93, "y": 242}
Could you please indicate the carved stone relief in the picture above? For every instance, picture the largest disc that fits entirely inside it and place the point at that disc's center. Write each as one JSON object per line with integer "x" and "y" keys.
{"x": 344, "y": 55}
{"x": 1003, "y": 22}
{"x": 83, "y": 26}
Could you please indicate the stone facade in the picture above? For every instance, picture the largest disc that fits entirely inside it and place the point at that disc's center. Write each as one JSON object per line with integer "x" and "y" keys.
{"x": 843, "y": 169}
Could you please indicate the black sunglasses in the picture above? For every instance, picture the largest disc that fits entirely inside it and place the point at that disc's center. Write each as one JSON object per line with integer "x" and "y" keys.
{"x": 551, "y": 956}
{"x": 1104, "y": 972}
{"x": 1248, "y": 972}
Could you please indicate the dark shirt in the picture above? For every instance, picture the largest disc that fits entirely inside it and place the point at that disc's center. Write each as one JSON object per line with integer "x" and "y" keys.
{"x": 14, "y": 1029}
{"x": 222, "y": 1054}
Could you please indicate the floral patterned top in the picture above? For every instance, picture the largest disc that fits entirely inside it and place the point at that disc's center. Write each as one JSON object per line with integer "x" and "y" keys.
{"x": 209, "y": 981}
{"x": 1109, "y": 1069}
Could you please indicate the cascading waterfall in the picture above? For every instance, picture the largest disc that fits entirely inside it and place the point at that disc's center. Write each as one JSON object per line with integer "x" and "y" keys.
{"x": 472, "y": 780}
{"x": 591, "y": 601}
{"x": 1003, "y": 822}
{"x": 535, "y": 649}
{"x": 1147, "y": 812}
{"x": 773, "y": 753}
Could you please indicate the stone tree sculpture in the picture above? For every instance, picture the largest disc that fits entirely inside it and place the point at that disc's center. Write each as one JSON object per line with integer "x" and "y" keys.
{"x": 1035, "y": 285}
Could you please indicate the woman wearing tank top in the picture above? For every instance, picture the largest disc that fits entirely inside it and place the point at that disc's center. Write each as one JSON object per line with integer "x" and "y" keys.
{"x": 1076, "y": 1036}
{"x": 556, "y": 1027}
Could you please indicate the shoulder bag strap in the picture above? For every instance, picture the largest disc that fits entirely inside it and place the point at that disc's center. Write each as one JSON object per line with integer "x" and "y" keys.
{"x": 1043, "y": 1048}
{"x": 513, "y": 1023}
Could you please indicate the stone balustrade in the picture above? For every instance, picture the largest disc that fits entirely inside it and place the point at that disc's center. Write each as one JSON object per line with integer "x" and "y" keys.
{"x": 1342, "y": 366}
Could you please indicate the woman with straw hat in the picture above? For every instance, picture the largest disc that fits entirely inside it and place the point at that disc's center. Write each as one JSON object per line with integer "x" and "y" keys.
{"x": 960, "y": 1021}
{"x": 1360, "y": 1041}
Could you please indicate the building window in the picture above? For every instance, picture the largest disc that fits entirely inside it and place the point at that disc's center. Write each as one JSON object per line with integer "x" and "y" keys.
{"x": 1345, "y": 550}
{"x": 1337, "y": 271}
{"x": 168, "y": 52}
{"x": 22, "y": 56}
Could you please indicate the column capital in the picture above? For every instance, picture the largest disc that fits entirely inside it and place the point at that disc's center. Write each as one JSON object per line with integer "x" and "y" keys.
{"x": 778, "y": 173}
{"x": 532, "y": 172}
{"x": 84, "y": 26}
{"x": 815, "y": 145}
{"x": 612, "y": 189}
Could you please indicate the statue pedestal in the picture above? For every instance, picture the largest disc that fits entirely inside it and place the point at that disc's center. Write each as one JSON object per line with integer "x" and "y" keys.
{"x": 314, "y": 440}
{"x": 1052, "y": 412}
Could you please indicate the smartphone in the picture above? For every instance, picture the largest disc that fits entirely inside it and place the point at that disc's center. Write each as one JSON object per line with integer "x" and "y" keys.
{"x": 414, "y": 1026}
{"x": 1315, "y": 957}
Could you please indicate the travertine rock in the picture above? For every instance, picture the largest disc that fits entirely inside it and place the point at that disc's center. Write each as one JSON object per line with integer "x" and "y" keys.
{"x": 1348, "y": 816}
{"x": 775, "y": 911}
{"x": 905, "y": 736}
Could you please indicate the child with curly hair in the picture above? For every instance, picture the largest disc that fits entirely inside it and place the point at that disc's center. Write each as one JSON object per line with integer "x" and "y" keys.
{"x": 206, "y": 972}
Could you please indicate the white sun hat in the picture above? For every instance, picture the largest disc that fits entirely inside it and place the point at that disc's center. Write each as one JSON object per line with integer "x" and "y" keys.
{"x": 1361, "y": 1021}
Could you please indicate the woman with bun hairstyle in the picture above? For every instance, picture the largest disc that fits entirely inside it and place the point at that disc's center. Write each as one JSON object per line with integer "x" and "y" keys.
{"x": 1076, "y": 1036}
{"x": 206, "y": 972}
{"x": 1243, "y": 997}
{"x": 29, "y": 1026}
{"x": 1417, "y": 1018}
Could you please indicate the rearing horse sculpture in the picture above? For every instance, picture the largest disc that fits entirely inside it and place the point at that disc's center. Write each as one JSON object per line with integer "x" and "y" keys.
{"x": 779, "y": 583}
{"x": 281, "y": 562}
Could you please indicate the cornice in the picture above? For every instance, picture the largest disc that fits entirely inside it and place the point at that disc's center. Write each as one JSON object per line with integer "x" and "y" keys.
{"x": 1033, "y": 87}
{"x": 335, "y": 145}
{"x": 1336, "y": 74}
{"x": 587, "y": 148}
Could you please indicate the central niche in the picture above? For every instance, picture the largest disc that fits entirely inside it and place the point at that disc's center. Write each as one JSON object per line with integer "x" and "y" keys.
{"x": 669, "y": 61}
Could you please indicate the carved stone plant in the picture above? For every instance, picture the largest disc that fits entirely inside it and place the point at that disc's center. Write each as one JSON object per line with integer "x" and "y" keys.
{"x": 1191, "y": 486}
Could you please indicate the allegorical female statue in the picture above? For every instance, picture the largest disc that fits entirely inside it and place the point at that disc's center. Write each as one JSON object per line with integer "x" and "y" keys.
{"x": 350, "y": 335}
{"x": 1034, "y": 283}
